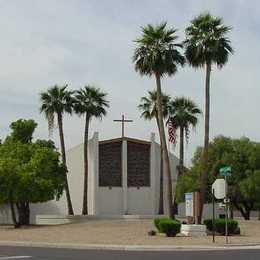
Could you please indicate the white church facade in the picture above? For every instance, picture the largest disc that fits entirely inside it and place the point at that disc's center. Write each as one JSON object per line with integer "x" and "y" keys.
{"x": 124, "y": 176}
{"x": 124, "y": 179}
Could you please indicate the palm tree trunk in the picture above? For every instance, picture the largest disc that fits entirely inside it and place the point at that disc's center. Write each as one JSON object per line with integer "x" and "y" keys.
{"x": 204, "y": 175}
{"x": 181, "y": 166}
{"x": 161, "y": 209}
{"x": 85, "y": 197}
{"x": 166, "y": 160}
{"x": 63, "y": 155}
{"x": 181, "y": 151}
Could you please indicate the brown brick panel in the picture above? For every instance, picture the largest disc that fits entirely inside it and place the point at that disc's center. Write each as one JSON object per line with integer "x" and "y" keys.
{"x": 110, "y": 164}
{"x": 138, "y": 164}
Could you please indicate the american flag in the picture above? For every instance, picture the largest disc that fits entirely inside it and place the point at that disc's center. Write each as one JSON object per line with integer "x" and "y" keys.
{"x": 172, "y": 131}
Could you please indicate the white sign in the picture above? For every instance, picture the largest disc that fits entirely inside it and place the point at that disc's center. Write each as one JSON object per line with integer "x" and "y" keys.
{"x": 219, "y": 187}
{"x": 189, "y": 204}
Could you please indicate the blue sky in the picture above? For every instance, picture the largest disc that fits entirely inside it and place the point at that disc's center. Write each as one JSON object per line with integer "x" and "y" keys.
{"x": 91, "y": 42}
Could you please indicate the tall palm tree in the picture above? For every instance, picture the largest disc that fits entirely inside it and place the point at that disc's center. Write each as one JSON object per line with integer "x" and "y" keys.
{"x": 157, "y": 55}
{"x": 149, "y": 111}
{"x": 89, "y": 102}
{"x": 56, "y": 101}
{"x": 184, "y": 114}
{"x": 207, "y": 44}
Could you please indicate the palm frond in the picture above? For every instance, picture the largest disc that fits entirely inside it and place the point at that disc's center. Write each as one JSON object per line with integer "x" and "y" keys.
{"x": 148, "y": 108}
{"x": 56, "y": 100}
{"x": 207, "y": 42}
{"x": 91, "y": 101}
{"x": 157, "y": 51}
{"x": 184, "y": 113}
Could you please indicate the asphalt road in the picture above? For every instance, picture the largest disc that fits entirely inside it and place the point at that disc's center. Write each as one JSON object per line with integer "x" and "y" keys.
{"x": 33, "y": 253}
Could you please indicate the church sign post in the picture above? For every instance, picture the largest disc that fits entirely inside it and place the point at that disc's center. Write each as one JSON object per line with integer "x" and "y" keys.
{"x": 226, "y": 172}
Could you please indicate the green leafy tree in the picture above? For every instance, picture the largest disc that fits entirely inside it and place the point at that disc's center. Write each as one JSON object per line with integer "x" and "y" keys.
{"x": 46, "y": 143}
{"x": 187, "y": 182}
{"x": 149, "y": 112}
{"x": 243, "y": 157}
{"x": 157, "y": 54}
{"x": 56, "y": 101}
{"x": 207, "y": 44}
{"x": 29, "y": 173}
{"x": 90, "y": 102}
{"x": 184, "y": 115}
{"x": 22, "y": 130}
{"x": 250, "y": 191}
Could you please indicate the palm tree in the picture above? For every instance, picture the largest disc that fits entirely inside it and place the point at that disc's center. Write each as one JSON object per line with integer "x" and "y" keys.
{"x": 207, "y": 44}
{"x": 149, "y": 112}
{"x": 183, "y": 114}
{"x": 56, "y": 101}
{"x": 157, "y": 55}
{"x": 90, "y": 102}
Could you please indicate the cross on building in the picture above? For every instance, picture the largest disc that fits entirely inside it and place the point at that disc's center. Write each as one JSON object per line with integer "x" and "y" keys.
{"x": 123, "y": 121}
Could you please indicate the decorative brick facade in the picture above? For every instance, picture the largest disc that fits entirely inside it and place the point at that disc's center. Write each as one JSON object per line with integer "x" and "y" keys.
{"x": 110, "y": 164}
{"x": 138, "y": 164}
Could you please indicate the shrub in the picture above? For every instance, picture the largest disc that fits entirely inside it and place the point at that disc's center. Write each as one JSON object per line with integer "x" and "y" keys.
{"x": 151, "y": 233}
{"x": 220, "y": 225}
{"x": 209, "y": 224}
{"x": 156, "y": 222}
{"x": 170, "y": 227}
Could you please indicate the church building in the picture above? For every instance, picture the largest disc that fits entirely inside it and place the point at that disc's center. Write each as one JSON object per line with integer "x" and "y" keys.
{"x": 124, "y": 176}
{"x": 123, "y": 179}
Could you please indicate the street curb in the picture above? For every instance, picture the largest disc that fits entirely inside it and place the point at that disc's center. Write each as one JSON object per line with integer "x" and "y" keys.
{"x": 130, "y": 247}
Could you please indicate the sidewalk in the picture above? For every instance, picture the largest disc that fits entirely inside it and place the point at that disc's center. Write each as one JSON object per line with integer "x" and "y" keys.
{"x": 130, "y": 247}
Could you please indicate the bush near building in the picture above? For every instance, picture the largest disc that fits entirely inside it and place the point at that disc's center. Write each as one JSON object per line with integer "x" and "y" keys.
{"x": 220, "y": 226}
{"x": 168, "y": 226}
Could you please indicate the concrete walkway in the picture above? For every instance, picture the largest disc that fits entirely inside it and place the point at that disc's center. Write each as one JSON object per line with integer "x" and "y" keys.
{"x": 130, "y": 247}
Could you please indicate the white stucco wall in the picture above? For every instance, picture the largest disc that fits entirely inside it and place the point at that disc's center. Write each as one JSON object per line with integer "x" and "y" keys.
{"x": 75, "y": 160}
{"x": 140, "y": 201}
{"x": 103, "y": 200}
{"x": 110, "y": 201}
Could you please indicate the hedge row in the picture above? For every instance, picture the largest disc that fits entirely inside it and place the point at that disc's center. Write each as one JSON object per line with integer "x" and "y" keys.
{"x": 220, "y": 226}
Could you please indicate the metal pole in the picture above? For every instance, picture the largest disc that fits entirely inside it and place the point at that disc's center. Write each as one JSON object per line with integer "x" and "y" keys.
{"x": 226, "y": 215}
{"x": 213, "y": 215}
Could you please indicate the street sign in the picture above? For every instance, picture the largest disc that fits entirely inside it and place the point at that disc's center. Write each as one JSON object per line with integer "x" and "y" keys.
{"x": 226, "y": 200}
{"x": 189, "y": 204}
{"x": 225, "y": 171}
{"x": 221, "y": 205}
{"x": 219, "y": 187}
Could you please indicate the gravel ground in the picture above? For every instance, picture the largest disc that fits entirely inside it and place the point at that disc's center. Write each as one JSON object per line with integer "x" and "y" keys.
{"x": 121, "y": 232}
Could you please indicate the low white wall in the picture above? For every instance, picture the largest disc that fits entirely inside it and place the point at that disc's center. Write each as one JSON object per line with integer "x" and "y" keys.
{"x": 5, "y": 214}
{"x": 49, "y": 208}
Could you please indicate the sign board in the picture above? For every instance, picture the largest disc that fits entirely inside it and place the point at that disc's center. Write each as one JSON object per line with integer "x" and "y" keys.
{"x": 225, "y": 171}
{"x": 189, "y": 204}
{"x": 219, "y": 187}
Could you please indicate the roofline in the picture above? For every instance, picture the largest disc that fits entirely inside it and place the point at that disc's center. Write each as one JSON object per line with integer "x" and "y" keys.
{"x": 124, "y": 138}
